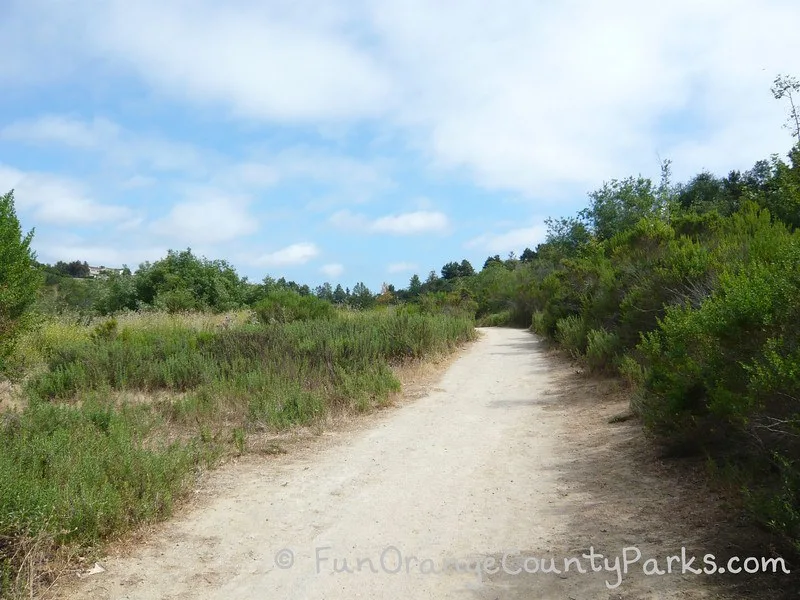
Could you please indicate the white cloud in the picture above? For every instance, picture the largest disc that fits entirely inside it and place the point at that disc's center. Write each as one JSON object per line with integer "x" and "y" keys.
{"x": 354, "y": 178}
{"x": 332, "y": 270}
{"x": 397, "y": 224}
{"x": 546, "y": 99}
{"x": 514, "y": 240}
{"x": 287, "y": 62}
{"x": 64, "y": 130}
{"x": 411, "y": 223}
{"x": 259, "y": 169}
{"x": 53, "y": 199}
{"x": 402, "y": 267}
{"x": 296, "y": 254}
{"x": 309, "y": 163}
{"x": 542, "y": 97}
{"x": 137, "y": 181}
{"x": 249, "y": 174}
{"x": 114, "y": 143}
{"x": 213, "y": 219}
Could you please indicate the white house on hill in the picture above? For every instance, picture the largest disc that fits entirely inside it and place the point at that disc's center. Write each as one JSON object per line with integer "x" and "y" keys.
{"x": 102, "y": 271}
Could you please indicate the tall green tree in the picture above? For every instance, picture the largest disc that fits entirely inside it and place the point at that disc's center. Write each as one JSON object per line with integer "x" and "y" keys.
{"x": 339, "y": 295}
{"x": 491, "y": 260}
{"x": 619, "y": 205}
{"x": 362, "y": 297}
{"x": 414, "y": 286}
{"x": 19, "y": 277}
{"x": 450, "y": 270}
{"x": 527, "y": 255}
{"x": 75, "y": 268}
{"x": 324, "y": 291}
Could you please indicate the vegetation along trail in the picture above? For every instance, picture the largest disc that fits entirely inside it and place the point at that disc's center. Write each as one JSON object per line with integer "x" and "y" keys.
{"x": 500, "y": 462}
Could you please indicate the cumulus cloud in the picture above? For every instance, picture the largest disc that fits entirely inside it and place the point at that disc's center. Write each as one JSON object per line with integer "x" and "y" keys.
{"x": 259, "y": 169}
{"x": 296, "y": 254}
{"x": 268, "y": 61}
{"x": 332, "y": 270}
{"x": 410, "y": 223}
{"x": 402, "y": 267}
{"x": 539, "y": 97}
{"x": 514, "y": 240}
{"x": 526, "y": 96}
{"x": 532, "y": 97}
{"x": 210, "y": 220}
{"x": 111, "y": 141}
{"x": 58, "y": 200}
{"x": 48, "y": 129}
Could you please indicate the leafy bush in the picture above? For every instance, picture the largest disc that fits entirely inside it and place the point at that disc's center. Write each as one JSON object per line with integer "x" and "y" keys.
{"x": 601, "y": 350}
{"x": 538, "y": 323}
{"x": 501, "y": 319}
{"x": 571, "y": 333}
{"x": 286, "y": 306}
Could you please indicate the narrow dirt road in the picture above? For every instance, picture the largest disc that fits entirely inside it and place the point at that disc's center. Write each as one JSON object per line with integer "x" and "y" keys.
{"x": 484, "y": 468}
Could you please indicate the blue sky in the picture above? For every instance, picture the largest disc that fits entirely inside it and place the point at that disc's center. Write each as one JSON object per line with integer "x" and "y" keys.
{"x": 350, "y": 141}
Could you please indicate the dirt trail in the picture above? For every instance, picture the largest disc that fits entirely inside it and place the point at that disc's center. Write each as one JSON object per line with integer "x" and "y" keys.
{"x": 497, "y": 460}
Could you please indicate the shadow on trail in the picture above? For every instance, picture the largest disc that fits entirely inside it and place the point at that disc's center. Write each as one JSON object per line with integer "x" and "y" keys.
{"x": 630, "y": 497}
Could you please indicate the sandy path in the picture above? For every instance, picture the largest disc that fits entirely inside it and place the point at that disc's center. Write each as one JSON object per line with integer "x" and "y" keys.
{"x": 483, "y": 466}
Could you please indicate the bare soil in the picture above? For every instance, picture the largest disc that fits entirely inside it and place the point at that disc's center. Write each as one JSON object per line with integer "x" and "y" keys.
{"x": 510, "y": 454}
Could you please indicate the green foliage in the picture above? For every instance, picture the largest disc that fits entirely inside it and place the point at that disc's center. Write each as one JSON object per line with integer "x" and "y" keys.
{"x": 181, "y": 281}
{"x": 501, "y": 319}
{"x": 538, "y": 323}
{"x": 19, "y": 277}
{"x": 117, "y": 293}
{"x": 457, "y": 303}
{"x": 414, "y": 286}
{"x": 83, "y": 472}
{"x": 601, "y": 350}
{"x": 361, "y": 297}
{"x": 75, "y": 268}
{"x": 87, "y": 459}
{"x": 107, "y": 330}
{"x": 690, "y": 293}
{"x": 453, "y": 270}
{"x": 572, "y": 335}
{"x": 285, "y": 306}
{"x": 566, "y": 237}
{"x": 619, "y": 205}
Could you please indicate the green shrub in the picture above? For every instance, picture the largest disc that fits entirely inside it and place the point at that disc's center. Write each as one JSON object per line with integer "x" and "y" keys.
{"x": 83, "y": 472}
{"x": 632, "y": 371}
{"x": 285, "y": 306}
{"x": 538, "y": 324}
{"x": 601, "y": 350}
{"x": 87, "y": 459}
{"x": 501, "y": 319}
{"x": 572, "y": 335}
{"x": 106, "y": 330}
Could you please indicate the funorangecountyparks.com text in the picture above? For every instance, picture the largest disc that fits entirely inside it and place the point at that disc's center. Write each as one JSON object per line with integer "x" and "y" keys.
{"x": 391, "y": 560}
